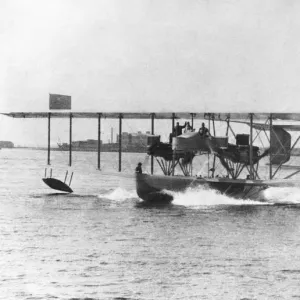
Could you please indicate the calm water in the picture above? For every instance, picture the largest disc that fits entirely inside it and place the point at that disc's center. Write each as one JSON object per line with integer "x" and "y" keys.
{"x": 101, "y": 243}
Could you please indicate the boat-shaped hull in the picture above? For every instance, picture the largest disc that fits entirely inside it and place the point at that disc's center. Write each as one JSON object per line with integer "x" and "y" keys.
{"x": 159, "y": 188}
{"x": 155, "y": 188}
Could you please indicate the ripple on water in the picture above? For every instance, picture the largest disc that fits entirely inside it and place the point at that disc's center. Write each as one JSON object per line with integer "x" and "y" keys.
{"x": 81, "y": 247}
{"x": 291, "y": 271}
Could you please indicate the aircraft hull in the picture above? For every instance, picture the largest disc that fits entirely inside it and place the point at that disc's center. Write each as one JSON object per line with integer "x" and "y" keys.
{"x": 159, "y": 188}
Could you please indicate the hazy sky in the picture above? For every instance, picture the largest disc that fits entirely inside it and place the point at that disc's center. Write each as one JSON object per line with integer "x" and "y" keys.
{"x": 149, "y": 55}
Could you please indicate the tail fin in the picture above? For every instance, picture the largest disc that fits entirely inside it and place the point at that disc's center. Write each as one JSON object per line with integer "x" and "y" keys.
{"x": 280, "y": 145}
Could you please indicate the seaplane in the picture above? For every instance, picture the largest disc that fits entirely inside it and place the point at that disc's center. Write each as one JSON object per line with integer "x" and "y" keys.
{"x": 178, "y": 155}
{"x": 234, "y": 158}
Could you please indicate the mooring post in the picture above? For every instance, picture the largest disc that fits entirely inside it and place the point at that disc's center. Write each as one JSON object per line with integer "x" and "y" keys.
{"x": 99, "y": 139}
{"x": 251, "y": 147}
{"x": 120, "y": 142}
{"x": 270, "y": 156}
{"x": 70, "y": 145}
{"x": 49, "y": 132}
{"x": 152, "y": 132}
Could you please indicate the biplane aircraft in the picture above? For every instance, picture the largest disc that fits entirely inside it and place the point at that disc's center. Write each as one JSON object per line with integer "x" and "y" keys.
{"x": 234, "y": 158}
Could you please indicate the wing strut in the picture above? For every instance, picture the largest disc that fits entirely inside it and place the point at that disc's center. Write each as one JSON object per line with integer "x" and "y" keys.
{"x": 251, "y": 147}
{"x": 271, "y": 128}
{"x": 99, "y": 139}
{"x": 152, "y": 132}
{"x": 120, "y": 142}
{"x": 70, "y": 145}
{"x": 49, "y": 131}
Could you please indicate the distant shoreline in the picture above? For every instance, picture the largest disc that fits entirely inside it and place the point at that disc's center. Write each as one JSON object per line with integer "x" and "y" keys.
{"x": 295, "y": 152}
{"x": 78, "y": 150}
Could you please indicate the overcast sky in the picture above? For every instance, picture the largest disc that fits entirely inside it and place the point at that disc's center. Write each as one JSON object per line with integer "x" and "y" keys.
{"x": 149, "y": 55}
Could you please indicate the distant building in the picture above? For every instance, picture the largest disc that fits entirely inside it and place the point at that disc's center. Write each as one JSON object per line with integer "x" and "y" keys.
{"x": 6, "y": 144}
{"x": 88, "y": 145}
{"x": 134, "y": 139}
{"x": 131, "y": 142}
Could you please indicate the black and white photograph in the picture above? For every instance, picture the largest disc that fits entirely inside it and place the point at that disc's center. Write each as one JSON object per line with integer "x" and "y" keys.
{"x": 149, "y": 149}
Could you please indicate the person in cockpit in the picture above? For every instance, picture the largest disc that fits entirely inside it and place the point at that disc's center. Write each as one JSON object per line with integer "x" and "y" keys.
{"x": 138, "y": 169}
{"x": 203, "y": 131}
{"x": 178, "y": 129}
{"x": 188, "y": 127}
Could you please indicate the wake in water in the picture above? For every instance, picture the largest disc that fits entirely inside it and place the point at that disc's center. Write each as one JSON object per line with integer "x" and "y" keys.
{"x": 206, "y": 197}
{"x": 119, "y": 194}
{"x": 284, "y": 195}
{"x": 199, "y": 197}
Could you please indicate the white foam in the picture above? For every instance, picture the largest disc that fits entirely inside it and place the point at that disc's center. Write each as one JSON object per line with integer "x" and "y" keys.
{"x": 199, "y": 197}
{"x": 204, "y": 197}
{"x": 283, "y": 195}
{"x": 119, "y": 194}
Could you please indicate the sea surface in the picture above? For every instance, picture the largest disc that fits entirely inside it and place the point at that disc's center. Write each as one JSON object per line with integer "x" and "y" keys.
{"x": 101, "y": 242}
